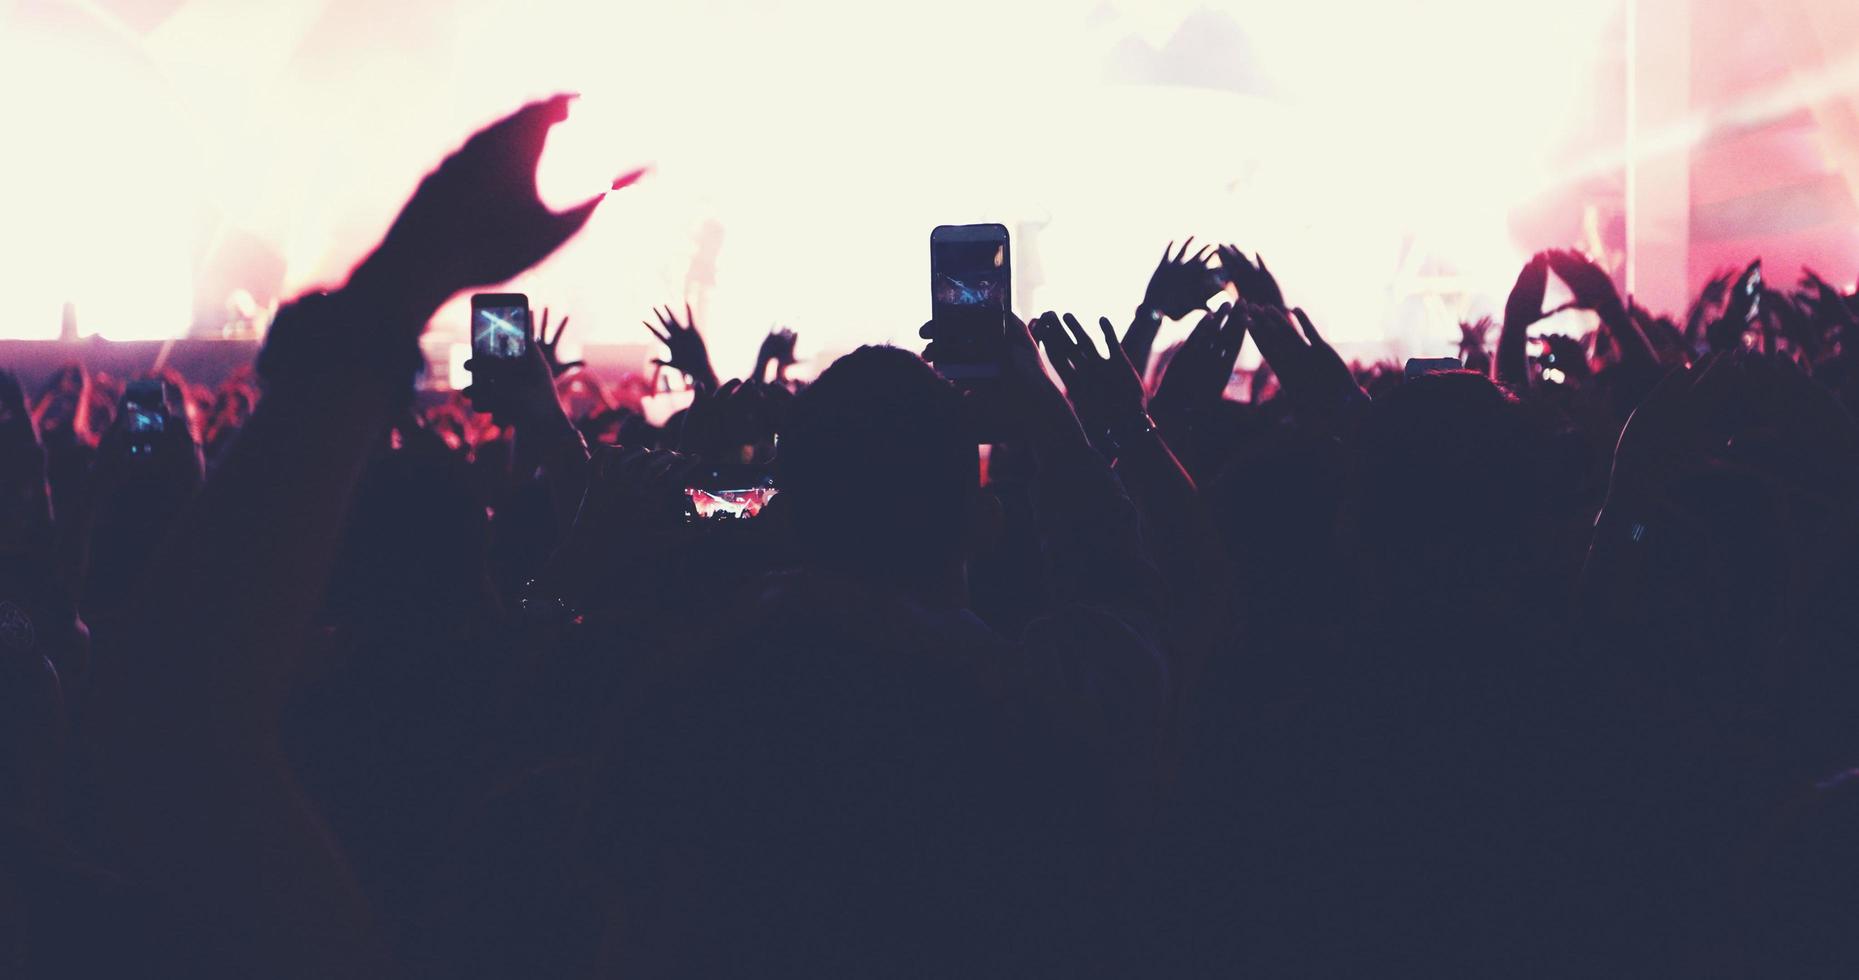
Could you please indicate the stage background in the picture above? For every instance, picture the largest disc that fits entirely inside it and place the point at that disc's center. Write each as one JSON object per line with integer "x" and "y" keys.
{"x": 178, "y": 166}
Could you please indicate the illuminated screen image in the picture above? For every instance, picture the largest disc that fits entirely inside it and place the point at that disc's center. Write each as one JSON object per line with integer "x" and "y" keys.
{"x": 971, "y": 274}
{"x": 500, "y": 332}
{"x": 141, "y": 420}
{"x": 728, "y": 504}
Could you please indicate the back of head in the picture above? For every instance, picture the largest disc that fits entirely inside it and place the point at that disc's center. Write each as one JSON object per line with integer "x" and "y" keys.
{"x": 1447, "y": 482}
{"x": 878, "y": 470}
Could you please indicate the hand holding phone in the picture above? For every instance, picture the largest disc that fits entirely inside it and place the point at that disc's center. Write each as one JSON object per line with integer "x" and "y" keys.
{"x": 499, "y": 342}
{"x": 971, "y": 289}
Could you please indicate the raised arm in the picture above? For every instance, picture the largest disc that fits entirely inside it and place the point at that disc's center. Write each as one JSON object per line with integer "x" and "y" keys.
{"x": 546, "y": 441}
{"x": 685, "y": 348}
{"x": 1180, "y": 284}
{"x": 204, "y": 808}
{"x": 1521, "y": 311}
{"x": 1176, "y": 533}
{"x": 1594, "y": 290}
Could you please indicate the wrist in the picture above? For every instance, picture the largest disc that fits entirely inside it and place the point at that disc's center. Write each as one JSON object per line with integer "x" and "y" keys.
{"x": 386, "y": 285}
{"x": 1127, "y": 432}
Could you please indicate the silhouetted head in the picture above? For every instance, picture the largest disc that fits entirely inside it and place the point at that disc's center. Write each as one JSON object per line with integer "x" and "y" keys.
{"x": 878, "y": 470}
{"x": 1447, "y": 487}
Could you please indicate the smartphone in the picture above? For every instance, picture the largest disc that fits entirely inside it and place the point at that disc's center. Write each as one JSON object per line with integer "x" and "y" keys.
{"x": 728, "y": 493}
{"x": 971, "y": 290}
{"x": 1752, "y": 290}
{"x": 144, "y": 410}
{"x": 499, "y": 326}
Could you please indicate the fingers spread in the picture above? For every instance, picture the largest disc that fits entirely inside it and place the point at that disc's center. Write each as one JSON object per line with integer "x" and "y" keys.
{"x": 1078, "y": 336}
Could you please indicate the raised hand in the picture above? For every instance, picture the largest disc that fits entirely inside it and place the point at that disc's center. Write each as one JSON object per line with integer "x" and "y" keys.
{"x": 1255, "y": 282}
{"x": 777, "y": 349}
{"x": 1104, "y": 389}
{"x": 1040, "y": 411}
{"x": 1792, "y": 317}
{"x": 1181, "y": 283}
{"x": 1309, "y": 370}
{"x": 1473, "y": 336}
{"x": 1522, "y": 309}
{"x": 685, "y": 344}
{"x": 1830, "y": 311}
{"x": 548, "y": 345}
{"x": 1740, "y": 309}
{"x": 1824, "y": 294}
{"x": 1592, "y": 287}
{"x": 1705, "y": 307}
{"x": 1202, "y": 366}
{"x": 476, "y": 219}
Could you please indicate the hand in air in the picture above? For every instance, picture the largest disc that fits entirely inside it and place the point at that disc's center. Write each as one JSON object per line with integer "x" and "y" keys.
{"x": 777, "y": 349}
{"x": 1524, "y": 307}
{"x": 549, "y": 345}
{"x": 1255, "y": 282}
{"x": 1202, "y": 365}
{"x": 1592, "y": 288}
{"x": 685, "y": 346}
{"x": 1181, "y": 283}
{"x": 1309, "y": 370}
{"x": 477, "y": 219}
{"x": 1105, "y": 390}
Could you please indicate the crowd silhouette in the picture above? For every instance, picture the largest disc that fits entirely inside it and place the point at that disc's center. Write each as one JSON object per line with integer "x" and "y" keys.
{"x": 1538, "y": 666}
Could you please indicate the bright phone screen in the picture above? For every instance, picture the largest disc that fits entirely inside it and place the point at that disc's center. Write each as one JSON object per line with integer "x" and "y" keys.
{"x": 971, "y": 274}
{"x": 499, "y": 332}
{"x": 728, "y": 504}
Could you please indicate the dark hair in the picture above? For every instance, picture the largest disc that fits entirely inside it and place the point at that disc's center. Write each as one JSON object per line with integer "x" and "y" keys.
{"x": 878, "y": 469}
{"x": 1447, "y": 475}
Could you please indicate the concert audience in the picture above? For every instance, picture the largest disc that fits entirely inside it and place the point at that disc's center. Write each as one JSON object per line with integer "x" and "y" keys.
{"x": 1541, "y": 666}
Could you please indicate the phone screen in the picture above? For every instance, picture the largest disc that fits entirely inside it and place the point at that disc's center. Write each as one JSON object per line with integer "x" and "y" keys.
{"x": 971, "y": 280}
{"x": 499, "y": 332}
{"x": 737, "y": 504}
{"x": 972, "y": 274}
{"x": 142, "y": 420}
{"x": 1752, "y": 289}
{"x": 728, "y": 493}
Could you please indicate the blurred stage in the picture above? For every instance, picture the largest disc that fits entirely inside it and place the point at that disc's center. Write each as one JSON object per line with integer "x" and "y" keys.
{"x": 181, "y": 165}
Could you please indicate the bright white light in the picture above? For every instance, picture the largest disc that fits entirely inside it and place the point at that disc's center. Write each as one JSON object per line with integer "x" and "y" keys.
{"x": 801, "y": 152}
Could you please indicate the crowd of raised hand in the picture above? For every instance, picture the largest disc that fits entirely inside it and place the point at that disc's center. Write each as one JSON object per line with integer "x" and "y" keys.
{"x": 1538, "y": 667}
